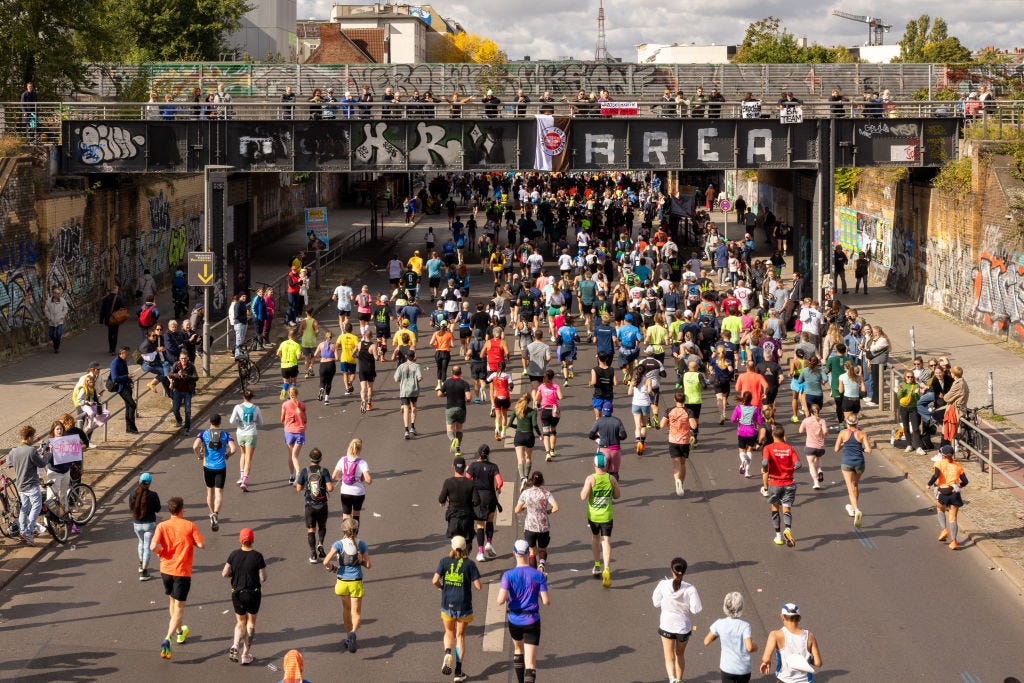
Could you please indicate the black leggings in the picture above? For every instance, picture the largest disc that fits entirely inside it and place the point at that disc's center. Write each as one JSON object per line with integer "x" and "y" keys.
{"x": 327, "y": 371}
{"x": 442, "y": 359}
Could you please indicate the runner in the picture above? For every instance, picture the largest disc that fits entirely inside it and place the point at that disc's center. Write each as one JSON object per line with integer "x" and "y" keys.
{"x": 347, "y": 345}
{"x": 213, "y": 447}
{"x": 524, "y": 419}
{"x": 723, "y": 369}
{"x": 477, "y": 365}
{"x": 248, "y": 572}
{"x": 567, "y": 337}
{"x": 734, "y": 663}
{"x": 794, "y": 650}
{"x": 366, "y": 366}
{"x": 778, "y": 462}
{"x": 682, "y": 426}
{"x": 678, "y": 602}
{"x": 144, "y": 503}
{"x": 343, "y": 295}
{"x": 538, "y": 504}
{"x": 459, "y": 499}
{"x": 353, "y": 556}
{"x": 642, "y": 391}
{"x": 353, "y": 474}
{"x": 548, "y": 394}
{"x": 441, "y": 342}
{"x": 248, "y": 417}
{"x": 487, "y": 477}
{"x": 747, "y": 418}
{"x": 455, "y": 573}
{"x": 650, "y": 370}
{"x": 948, "y": 477}
{"x": 694, "y": 383}
{"x": 538, "y": 354}
{"x": 409, "y": 375}
{"x": 608, "y": 432}
{"x": 314, "y": 482}
{"x": 854, "y": 445}
{"x": 173, "y": 542}
{"x": 599, "y": 490}
{"x": 309, "y": 330}
{"x": 327, "y": 355}
{"x": 501, "y": 398}
{"x": 815, "y": 427}
{"x": 458, "y": 393}
{"x": 524, "y": 589}
{"x": 289, "y": 352}
{"x": 293, "y": 419}
{"x": 629, "y": 338}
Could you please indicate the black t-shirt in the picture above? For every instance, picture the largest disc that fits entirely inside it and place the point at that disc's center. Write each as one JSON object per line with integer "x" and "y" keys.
{"x": 303, "y": 480}
{"x": 245, "y": 569}
{"x": 152, "y": 507}
{"x": 771, "y": 371}
{"x": 480, "y": 321}
{"x": 604, "y": 388}
{"x": 457, "y": 577}
{"x": 455, "y": 390}
{"x": 482, "y": 473}
{"x": 365, "y": 361}
{"x": 460, "y": 493}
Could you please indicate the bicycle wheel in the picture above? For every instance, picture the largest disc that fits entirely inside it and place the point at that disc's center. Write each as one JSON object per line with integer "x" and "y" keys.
{"x": 58, "y": 528}
{"x": 9, "y": 511}
{"x": 81, "y": 503}
{"x": 253, "y": 374}
{"x": 243, "y": 373}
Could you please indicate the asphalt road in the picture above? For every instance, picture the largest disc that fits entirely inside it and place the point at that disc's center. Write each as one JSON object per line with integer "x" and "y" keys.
{"x": 887, "y": 603}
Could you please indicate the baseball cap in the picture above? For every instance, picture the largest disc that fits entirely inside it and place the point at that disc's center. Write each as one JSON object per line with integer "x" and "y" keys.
{"x": 790, "y": 610}
{"x": 607, "y": 408}
{"x": 246, "y": 535}
{"x": 688, "y": 313}
{"x": 145, "y": 478}
{"x": 444, "y": 323}
{"x": 629, "y": 317}
{"x": 521, "y": 547}
{"x": 855, "y": 327}
{"x": 458, "y": 542}
{"x": 94, "y": 366}
{"x": 649, "y": 351}
{"x": 459, "y": 464}
{"x": 483, "y": 451}
{"x": 599, "y": 460}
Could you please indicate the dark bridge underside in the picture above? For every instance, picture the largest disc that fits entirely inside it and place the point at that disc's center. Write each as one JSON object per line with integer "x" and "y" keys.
{"x": 359, "y": 145}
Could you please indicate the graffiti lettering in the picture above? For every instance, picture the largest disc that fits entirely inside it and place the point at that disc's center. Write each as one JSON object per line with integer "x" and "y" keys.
{"x": 376, "y": 148}
{"x": 435, "y": 146}
{"x": 704, "y": 152}
{"x": 101, "y": 143}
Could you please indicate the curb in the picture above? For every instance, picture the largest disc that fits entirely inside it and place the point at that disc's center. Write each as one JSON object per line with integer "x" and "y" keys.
{"x": 18, "y": 558}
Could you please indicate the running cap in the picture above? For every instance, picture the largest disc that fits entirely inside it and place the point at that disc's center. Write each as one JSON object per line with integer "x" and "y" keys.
{"x": 687, "y": 313}
{"x": 599, "y": 460}
{"x": 483, "y": 451}
{"x": 145, "y": 478}
{"x": 444, "y": 323}
{"x": 937, "y": 457}
{"x": 521, "y": 547}
{"x": 246, "y": 535}
{"x": 629, "y": 317}
{"x": 607, "y": 408}
{"x": 790, "y": 610}
{"x": 649, "y": 351}
{"x": 459, "y": 464}
{"x": 855, "y": 327}
{"x": 946, "y": 449}
{"x": 458, "y": 542}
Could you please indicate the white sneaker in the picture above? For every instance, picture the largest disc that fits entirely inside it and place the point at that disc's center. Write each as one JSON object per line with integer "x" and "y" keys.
{"x": 489, "y": 549}
{"x": 679, "y": 488}
{"x": 908, "y": 449}
{"x": 849, "y": 510}
{"x": 920, "y": 451}
{"x": 480, "y": 556}
{"x": 816, "y": 485}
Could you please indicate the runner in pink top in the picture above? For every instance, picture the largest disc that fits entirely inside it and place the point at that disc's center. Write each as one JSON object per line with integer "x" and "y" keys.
{"x": 548, "y": 395}
{"x": 815, "y": 428}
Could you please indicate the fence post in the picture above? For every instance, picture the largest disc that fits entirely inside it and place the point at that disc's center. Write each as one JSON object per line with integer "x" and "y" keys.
{"x": 991, "y": 394}
{"x": 991, "y": 465}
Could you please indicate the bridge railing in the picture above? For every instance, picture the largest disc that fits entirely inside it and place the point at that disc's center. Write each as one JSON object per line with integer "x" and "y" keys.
{"x": 40, "y": 123}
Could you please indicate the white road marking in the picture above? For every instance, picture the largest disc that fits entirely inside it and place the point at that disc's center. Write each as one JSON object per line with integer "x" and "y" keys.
{"x": 494, "y": 624}
{"x": 504, "y": 518}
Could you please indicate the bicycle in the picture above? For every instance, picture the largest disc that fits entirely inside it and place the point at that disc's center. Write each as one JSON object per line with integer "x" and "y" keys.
{"x": 248, "y": 371}
{"x": 81, "y": 498}
{"x": 56, "y": 519}
{"x": 10, "y": 507}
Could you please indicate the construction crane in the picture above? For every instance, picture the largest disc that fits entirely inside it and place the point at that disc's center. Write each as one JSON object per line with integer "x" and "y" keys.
{"x": 876, "y": 27}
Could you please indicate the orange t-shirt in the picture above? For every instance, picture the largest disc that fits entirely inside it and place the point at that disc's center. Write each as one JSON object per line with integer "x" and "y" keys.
{"x": 752, "y": 382}
{"x": 442, "y": 341}
{"x": 177, "y": 538}
{"x": 949, "y": 473}
{"x": 293, "y": 416}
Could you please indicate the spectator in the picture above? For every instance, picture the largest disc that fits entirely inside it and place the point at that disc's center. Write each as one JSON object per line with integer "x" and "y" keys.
{"x": 56, "y": 311}
{"x": 365, "y": 110}
{"x": 183, "y": 377}
{"x": 698, "y": 104}
{"x": 491, "y": 104}
{"x": 168, "y": 110}
{"x": 26, "y": 460}
{"x": 29, "y": 108}
{"x": 838, "y": 107}
{"x": 288, "y": 98}
{"x": 522, "y": 99}
{"x": 715, "y": 108}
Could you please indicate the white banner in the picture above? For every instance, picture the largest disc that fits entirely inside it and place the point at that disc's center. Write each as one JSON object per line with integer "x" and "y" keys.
{"x": 750, "y": 110}
{"x": 791, "y": 115}
{"x": 66, "y": 449}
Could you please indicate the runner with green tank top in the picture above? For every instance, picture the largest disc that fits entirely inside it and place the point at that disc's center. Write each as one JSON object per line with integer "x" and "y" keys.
{"x": 309, "y": 334}
{"x": 694, "y": 383}
{"x": 586, "y": 289}
{"x": 599, "y": 490}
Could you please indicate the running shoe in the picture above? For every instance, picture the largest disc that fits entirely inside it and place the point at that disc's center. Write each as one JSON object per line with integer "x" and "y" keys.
{"x": 572, "y": 373}
{"x": 640, "y": 448}
{"x": 476, "y": 401}
{"x": 606, "y": 578}
{"x": 778, "y": 540}
{"x": 327, "y": 401}
{"x": 282, "y": 395}
{"x": 349, "y": 391}
{"x": 412, "y": 430}
{"x": 549, "y": 456}
{"x": 908, "y": 449}
{"x": 460, "y": 678}
{"x": 858, "y": 519}
{"x": 183, "y": 634}
{"x": 542, "y": 567}
{"x": 794, "y": 419}
{"x": 497, "y": 436}
{"x": 144, "y": 576}
{"x": 954, "y": 546}
{"x": 320, "y": 394}
{"x": 920, "y": 451}
{"x": 454, "y": 448}
{"x": 746, "y": 470}
{"x": 320, "y": 551}
{"x": 165, "y": 649}
{"x": 522, "y": 483}
{"x": 764, "y": 491}
{"x": 722, "y": 421}
{"x": 821, "y": 475}
{"x": 693, "y": 443}
{"x": 214, "y": 526}
{"x": 788, "y": 535}
{"x": 241, "y": 478}
{"x": 679, "y": 488}
{"x": 446, "y": 664}
{"x": 944, "y": 536}
{"x": 362, "y": 407}
{"x": 597, "y": 569}
{"x": 369, "y": 405}
{"x": 407, "y": 435}
{"x": 525, "y": 373}
{"x": 233, "y": 654}
{"x": 246, "y": 659}
{"x": 291, "y": 480}
{"x": 312, "y": 557}
{"x": 489, "y": 549}
{"x": 816, "y": 485}
{"x": 480, "y": 557}
{"x": 351, "y": 640}
{"x": 849, "y": 510}
{"x": 492, "y": 411}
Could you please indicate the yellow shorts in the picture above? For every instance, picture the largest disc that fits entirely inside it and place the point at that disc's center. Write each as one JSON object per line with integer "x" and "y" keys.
{"x": 461, "y": 619}
{"x": 351, "y": 589}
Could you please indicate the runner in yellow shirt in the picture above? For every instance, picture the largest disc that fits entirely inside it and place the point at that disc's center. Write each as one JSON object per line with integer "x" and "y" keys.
{"x": 289, "y": 352}
{"x": 415, "y": 263}
{"x": 347, "y": 344}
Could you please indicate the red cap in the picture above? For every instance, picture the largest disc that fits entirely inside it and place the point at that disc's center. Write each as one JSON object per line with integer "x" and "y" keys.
{"x": 246, "y": 535}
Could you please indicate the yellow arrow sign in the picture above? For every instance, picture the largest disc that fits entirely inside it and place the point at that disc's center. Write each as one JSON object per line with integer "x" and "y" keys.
{"x": 207, "y": 275}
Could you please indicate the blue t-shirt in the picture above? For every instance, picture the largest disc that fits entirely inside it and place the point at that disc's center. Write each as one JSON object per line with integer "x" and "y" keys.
{"x": 643, "y": 272}
{"x": 524, "y": 586}
{"x": 412, "y": 313}
{"x": 215, "y": 458}
{"x": 567, "y": 335}
{"x": 349, "y": 572}
{"x": 735, "y": 658}
{"x": 434, "y": 267}
{"x": 603, "y": 335}
{"x": 629, "y": 336}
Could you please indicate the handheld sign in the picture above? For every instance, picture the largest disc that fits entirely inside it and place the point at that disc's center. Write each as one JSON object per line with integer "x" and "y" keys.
{"x": 66, "y": 449}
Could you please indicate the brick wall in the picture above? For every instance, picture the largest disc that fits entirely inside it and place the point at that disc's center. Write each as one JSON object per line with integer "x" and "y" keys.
{"x": 22, "y": 274}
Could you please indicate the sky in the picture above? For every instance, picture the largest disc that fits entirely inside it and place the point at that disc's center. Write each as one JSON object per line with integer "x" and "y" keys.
{"x": 538, "y": 28}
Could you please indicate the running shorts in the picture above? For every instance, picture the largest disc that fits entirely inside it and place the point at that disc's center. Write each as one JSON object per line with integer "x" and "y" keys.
{"x": 246, "y": 601}
{"x": 177, "y": 586}
{"x": 215, "y": 478}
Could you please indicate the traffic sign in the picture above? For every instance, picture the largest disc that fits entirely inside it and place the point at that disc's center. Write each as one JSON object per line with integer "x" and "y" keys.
{"x": 725, "y": 205}
{"x": 200, "y": 269}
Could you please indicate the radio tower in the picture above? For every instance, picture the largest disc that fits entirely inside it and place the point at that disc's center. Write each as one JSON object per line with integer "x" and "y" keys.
{"x": 601, "y": 51}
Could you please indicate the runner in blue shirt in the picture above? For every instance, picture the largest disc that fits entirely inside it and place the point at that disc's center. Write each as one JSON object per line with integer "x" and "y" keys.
{"x": 524, "y": 589}
{"x": 604, "y": 336}
{"x": 435, "y": 266}
{"x": 629, "y": 346}
{"x": 213, "y": 447}
{"x": 567, "y": 339}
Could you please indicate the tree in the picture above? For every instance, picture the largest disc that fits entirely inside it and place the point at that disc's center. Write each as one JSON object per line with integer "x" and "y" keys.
{"x": 927, "y": 41}
{"x": 171, "y": 30}
{"x": 39, "y": 44}
{"x": 768, "y": 42}
{"x": 469, "y": 47}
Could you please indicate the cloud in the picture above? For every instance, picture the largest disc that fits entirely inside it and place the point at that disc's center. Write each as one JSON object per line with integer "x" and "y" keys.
{"x": 568, "y": 28}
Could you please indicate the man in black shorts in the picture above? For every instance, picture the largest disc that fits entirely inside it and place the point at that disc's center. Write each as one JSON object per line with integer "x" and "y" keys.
{"x": 772, "y": 372}
{"x": 487, "y": 478}
{"x": 248, "y": 571}
{"x": 315, "y": 483}
{"x": 173, "y": 542}
{"x": 213, "y": 447}
{"x": 459, "y": 498}
{"x": 458, "y": 392}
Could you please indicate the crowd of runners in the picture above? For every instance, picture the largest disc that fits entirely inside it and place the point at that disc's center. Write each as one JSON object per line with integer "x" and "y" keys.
{"x": 535, "y": 276}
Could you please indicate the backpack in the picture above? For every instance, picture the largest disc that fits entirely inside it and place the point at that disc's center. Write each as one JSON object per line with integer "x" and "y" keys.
{"x": 349, "y": 558}
{"x": 147, "y": 316}
{"x": 348, "y": 471}
{"x": 316, "y": 488}
{"x": 248, "y": 416}
{"x": 216, "y": 441}
{"x": 109, "y": 385}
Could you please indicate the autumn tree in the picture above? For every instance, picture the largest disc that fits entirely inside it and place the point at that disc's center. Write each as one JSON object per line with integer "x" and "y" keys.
{"x": 468, "y": 47}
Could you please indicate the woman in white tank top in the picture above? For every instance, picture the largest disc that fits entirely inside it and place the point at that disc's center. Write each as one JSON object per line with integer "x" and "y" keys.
{"x": 794, "y": 650}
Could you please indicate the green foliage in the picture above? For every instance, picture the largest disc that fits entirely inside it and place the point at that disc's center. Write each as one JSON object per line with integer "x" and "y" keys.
{"x": 38, "y": 44}
{"x": 954, "y": 178}
{"x": 170, "y": 30}
{"x": 926, "y": 41}
{"x": 768, "y": 42}
{"x": 847, "y": 181}
{"x": 943, "y": 94}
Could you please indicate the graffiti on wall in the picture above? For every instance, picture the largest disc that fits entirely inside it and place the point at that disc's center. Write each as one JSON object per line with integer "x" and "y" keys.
{"x": 159, "y": 249}
{"x": 858, "y": 232}
{"x": 21, "y": 296}
{"x": 77, "y": 266}
{"x": 999, "y": 294}
{"x": 909, "y": 260}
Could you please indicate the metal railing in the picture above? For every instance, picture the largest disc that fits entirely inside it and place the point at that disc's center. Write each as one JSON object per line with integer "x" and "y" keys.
{"x": 40, "y": 123}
